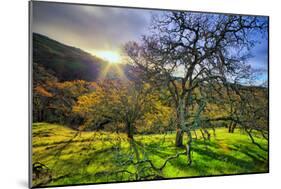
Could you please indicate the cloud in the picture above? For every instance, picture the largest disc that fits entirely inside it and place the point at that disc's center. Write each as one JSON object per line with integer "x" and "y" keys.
{"x": 96, "y": 28}
{"x": 259, "y": 54}
{"x": 90, "y": 27}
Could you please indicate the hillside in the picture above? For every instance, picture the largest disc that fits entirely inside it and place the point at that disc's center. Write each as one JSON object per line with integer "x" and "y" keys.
{"x": 66, "y": 62}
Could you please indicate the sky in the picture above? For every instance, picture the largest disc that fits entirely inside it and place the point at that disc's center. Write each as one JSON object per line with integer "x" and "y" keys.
{"x": 88, "y": 27}
{"x": 100, "y": 30}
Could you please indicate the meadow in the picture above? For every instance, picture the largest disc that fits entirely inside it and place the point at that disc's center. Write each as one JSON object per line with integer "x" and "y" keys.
{"x": 68, "y": 156}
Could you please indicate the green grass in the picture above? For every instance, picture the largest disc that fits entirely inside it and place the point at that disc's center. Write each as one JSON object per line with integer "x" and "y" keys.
{"x": 94, "y": 157}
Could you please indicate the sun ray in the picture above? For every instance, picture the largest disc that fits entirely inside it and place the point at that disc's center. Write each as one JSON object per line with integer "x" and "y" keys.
{"x": 113, "y": 71}
{"x": 110, "y": 56}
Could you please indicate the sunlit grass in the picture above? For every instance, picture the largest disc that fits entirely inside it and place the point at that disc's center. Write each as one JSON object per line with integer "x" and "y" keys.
{"x": 91, "y": 157}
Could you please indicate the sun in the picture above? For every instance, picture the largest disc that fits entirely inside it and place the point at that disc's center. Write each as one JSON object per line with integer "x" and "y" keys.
{"x": 110, "y": 56}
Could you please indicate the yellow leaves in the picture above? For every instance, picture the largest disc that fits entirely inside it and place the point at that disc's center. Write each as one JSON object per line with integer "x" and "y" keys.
{"x": 83, "y": 104}
{"x": 122, "y": 101}
{"x": 73, "y": 88}
{"x": 96, "y": 100}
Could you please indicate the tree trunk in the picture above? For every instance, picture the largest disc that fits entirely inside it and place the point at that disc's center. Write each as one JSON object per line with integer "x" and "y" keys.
{"x": 117, "y": 129}
{"x": 188, "y": 147}
{"x": 233, "y": 127}
{"x": 182, "y": 127}
{"x": 40, "y": 115}
{"x": 195, "y": 134}
{"x": 208, "y": 134}
{"x": 130, "y": 131}
{"x": 179, "y": 138}
{"x": 135, "y": 149}
{"x": 203, "y": 135}
{"x": 181, "y": 113}
{"x": 229, "y": 127}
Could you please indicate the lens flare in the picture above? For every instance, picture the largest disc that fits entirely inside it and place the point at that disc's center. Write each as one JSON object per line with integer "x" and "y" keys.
{"x": 110, "y": 56}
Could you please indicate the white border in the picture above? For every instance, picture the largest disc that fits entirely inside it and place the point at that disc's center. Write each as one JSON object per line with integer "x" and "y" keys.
{"x": 14, "y": 92}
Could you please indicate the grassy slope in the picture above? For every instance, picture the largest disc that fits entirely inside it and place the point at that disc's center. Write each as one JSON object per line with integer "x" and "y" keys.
{"x": 91, "y": 156}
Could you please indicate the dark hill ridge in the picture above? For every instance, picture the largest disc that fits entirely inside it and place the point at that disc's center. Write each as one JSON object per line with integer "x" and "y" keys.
{"x": 68, "y": 63}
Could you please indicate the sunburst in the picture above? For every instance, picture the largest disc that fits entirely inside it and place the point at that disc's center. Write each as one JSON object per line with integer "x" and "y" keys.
{"x": 110, "y": 56}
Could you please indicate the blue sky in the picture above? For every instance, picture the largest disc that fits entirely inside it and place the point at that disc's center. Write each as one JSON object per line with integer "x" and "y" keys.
{"x": 259, "y": 59}
{"x": 95, "y": 29}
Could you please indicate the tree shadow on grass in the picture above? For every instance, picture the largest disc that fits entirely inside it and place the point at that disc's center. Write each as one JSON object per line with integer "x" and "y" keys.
{"x": 256, "y": 157}
{"x": 75, "y": 165}
{"x": 223, "y": 157}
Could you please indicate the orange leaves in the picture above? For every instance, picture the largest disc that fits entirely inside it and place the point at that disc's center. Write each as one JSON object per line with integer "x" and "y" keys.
{"x": 42, "y": 91}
